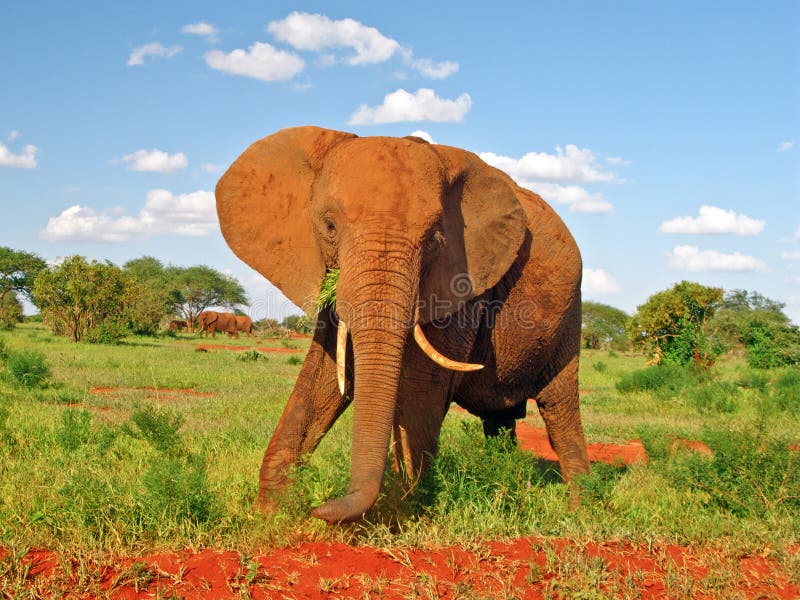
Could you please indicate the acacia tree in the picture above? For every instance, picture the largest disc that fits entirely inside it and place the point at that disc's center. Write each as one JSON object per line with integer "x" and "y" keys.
{"x": 18, "y": 270}
{"x": 758, "y": 324}
{"x": 602, "y": 325}
{"x": 673, "y": 325}
{"x": 77, "y": 296}
{"x": 152, "y": 298}
{"x": 194, "y": 289}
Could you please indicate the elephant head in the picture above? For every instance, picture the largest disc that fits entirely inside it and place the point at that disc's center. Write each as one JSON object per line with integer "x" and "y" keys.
{"x": 415, "y": 229}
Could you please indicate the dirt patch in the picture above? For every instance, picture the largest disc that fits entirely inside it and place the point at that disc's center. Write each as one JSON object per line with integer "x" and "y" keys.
{"x": 679, "y": 444}
{"x": 535, "y": 440}
{"x": 525, "y": 568}
{"x": 207, "y": 347}
{"x": 152, "y": 392}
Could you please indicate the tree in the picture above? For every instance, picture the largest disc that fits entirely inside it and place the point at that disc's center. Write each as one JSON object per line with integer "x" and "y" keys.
{"x": 603, "y": 326}
{"x": 78, "y": 297}
{"x": 673, "y": 324}
{"x": 18, "y": 270}
{"x": 758, "y": 324}
{"x": 10, "y": 311}
{"x": 151, "y": 297}
{"x": 297, "y": 323}
{"x": 194, "y": 289}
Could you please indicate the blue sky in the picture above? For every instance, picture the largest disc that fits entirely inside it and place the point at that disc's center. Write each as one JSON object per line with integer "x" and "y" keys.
{"x": 666, "y": 136}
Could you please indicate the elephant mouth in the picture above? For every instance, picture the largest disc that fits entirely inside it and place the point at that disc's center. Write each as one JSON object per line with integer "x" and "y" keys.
{"x": 419, "y": 337}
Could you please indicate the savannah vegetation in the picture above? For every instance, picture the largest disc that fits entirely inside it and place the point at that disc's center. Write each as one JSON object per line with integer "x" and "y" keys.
{"x": 101, "y": 452}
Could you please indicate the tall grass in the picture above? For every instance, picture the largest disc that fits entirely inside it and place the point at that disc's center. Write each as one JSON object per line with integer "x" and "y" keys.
{"x": 142, "y": 468}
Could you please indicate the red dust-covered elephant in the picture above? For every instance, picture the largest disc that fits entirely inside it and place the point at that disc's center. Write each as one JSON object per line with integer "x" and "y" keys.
{"x": 210, "y": 321}
{"x": 455, "y": 285}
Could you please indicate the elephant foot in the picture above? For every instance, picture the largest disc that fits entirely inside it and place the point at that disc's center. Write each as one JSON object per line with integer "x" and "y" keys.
{"x": 347, "y": 509}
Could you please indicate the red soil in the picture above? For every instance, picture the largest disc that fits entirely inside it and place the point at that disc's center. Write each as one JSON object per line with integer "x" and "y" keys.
{"x": 517, "y": 568}
{"x": 207, "y": 347}
{"x": 536, "y": 441}
{"x": 160, "y": 391}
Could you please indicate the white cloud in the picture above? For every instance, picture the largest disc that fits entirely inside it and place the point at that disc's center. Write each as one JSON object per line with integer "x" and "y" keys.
{"x": 797, "y": 233}
{"x": 318, "y": 33}
{"x": 138, "y": 55}
{"x": 209, "y": 168}
{"x": 714, "y": 220}
{"x": 691, "y": 258}
{"x": 423, "y": 105}
{"x": 155, "y": 160}
{"x": 571, "y": 164}
{"x": 539, "y": 171}
{"x": 431, "y": 69}
{"x": 25, "y": 160}
{"x": 423, "y": 134}
{"x": 13, "y": 135}
{"x": 786, "y": 146}
{"x": 305, "y": 31}
{"x": 793, "y": 279}
{"x": 599, "y": 282}
{"x": 577, "y": 198}
{"x": 193, "y": 214}
{"x": 202, "y": 29}
{"x": 793, "y": 255}
{"x": 617, "y": 161}
{"x": 261, "y": 61}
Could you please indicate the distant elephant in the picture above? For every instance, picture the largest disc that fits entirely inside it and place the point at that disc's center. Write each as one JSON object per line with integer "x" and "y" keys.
{"x": 210, "y": 321}
{"x": 176, "y": 325}
{"x": 432, "y": 244}
{"x": 244, "y": 324}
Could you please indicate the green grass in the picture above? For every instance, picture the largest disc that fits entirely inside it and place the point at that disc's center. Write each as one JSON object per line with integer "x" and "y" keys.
{"x": 144, "y": 469}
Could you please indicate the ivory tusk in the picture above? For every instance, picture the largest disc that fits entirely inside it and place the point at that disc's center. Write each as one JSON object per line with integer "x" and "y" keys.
{"x": 341, "y": 354}
{"x": 437, "y": 357}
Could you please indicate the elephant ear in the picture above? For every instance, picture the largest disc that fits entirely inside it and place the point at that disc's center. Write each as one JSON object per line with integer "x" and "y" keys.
{"x": 483, "y": 226}
{"x": 264, "y": 208}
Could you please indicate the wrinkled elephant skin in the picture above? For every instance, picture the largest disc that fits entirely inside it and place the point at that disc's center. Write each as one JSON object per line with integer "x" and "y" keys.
{"x": 422, "y": 234}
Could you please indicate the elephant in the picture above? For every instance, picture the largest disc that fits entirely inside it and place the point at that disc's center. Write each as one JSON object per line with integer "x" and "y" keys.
{"x": 176, "y": 325}
{"x": 244, "y": 324}
{"x": 210, "y": 321}
{"x": 455, "y": 285}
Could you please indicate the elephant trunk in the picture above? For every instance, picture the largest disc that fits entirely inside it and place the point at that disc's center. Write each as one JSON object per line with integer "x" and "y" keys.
{"x": 376, "y": 301}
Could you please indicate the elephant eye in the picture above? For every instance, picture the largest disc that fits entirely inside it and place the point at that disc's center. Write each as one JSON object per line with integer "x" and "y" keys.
{"x": 330, "y": 227}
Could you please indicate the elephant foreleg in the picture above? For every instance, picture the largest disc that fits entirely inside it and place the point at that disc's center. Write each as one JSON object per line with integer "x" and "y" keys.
{"x": 313, "y": 407}
{"x": 559, "y": 406}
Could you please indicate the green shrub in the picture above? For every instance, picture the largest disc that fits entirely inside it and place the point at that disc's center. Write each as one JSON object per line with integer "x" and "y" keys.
{"x": 159, "y": 428}
{"x": 251, "y": 356}
{"x": 294, "y": 360}
{"x": 28, "y": 368}
{"x": 75, "y": 429}
{"x": 110, "y": 332}
{"x": 786, "y": 391}
{"x": 3, "y": 352}
{"x": 667, "y": 379}
{"x": 175, "y": 489}
{"x": 716, "y": 397}
{"x": 600, "y": 366}
{"x": 748, "y": 475}
{"x": 753, "y": 380}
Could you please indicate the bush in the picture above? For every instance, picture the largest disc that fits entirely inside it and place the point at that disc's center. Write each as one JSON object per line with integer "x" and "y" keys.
{"x": 159, "y": 428}
{"x": 75, "y": 430}
{"x": 251, "y": 356}
{"x": 110, "y": 332}
{"x": 3, "y": 352}
{"x": 718, "y": 397}
{"x": 786, "y": 391}
{"x": 667, "y": 378}
{"x": 748, "y": 475}
{"x": 294, "y": 360}
{"x": 28, "y": 368}
{"x": 600, "y": 366}
{"x": 176, "y": 489}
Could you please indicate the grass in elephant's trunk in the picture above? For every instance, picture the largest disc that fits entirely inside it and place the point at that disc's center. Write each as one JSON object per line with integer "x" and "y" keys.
{"x": 327, "y": 292}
